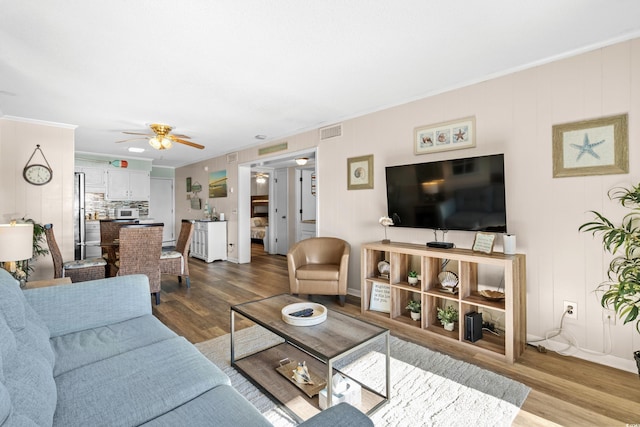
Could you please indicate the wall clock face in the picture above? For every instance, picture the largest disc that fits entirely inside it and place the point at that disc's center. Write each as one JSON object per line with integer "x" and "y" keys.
{"x": 37, "y": 174}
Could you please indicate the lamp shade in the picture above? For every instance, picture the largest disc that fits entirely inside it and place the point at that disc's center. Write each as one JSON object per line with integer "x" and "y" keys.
{"x": 302, "y": 160}
{"x": 16, "y": 242}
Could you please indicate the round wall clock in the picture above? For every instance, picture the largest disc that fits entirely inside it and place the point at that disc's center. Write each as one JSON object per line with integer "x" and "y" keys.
{"x": 37, "y": 174}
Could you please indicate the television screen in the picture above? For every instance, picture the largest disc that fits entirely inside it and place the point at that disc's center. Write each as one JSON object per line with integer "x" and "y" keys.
{"x": 457, "y": 194}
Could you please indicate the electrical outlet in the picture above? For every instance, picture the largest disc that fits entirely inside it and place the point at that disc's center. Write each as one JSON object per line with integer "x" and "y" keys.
{"x": 608, "y": 316}
{"x": 573, "y": 312}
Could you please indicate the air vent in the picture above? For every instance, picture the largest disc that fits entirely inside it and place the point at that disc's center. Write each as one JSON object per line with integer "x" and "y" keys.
{"x": 232, "y": 157}
{"x": 330, "y": 132}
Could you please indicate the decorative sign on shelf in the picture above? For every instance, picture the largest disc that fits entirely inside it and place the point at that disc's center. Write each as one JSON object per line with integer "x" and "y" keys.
{"x": 484, "y": 242}
{"x": 380, "y": 297}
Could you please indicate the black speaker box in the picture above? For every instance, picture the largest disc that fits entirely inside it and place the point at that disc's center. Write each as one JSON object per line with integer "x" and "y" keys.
{"x": 472, "y": 326}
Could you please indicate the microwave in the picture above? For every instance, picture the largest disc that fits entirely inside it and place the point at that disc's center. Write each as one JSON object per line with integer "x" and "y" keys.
{"x": 127, "y": 213}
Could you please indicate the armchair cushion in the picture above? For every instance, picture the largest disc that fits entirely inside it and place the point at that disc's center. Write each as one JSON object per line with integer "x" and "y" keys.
{"x": 318, "y": 272}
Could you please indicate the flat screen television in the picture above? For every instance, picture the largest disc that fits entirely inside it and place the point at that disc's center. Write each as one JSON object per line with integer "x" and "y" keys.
{"x": 456, "y": 194}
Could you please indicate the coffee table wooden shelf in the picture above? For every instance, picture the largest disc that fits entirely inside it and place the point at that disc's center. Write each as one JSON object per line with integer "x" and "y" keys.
{"x": 320, "y": 346}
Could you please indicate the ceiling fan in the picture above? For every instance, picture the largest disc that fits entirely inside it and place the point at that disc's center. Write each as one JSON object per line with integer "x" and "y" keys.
{"x": 162, "y": 138}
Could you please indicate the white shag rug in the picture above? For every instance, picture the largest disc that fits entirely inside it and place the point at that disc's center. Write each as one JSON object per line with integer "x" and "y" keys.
{"x": 427, "y": 388}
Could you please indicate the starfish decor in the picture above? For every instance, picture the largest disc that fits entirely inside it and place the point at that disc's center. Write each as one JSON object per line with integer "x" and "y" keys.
{"x": 587, "y": 147}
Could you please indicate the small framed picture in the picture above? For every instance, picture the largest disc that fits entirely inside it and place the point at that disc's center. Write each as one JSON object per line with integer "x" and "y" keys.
{"x": 591, "y": 147}
{"x": 188, "y": 184}
{"x": 453, "y": 135}
{"x": 360, "y": 172}
{"x": 483, "y": 242}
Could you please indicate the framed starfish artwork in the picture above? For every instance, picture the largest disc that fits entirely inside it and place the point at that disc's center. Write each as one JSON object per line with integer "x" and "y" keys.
{"x": 591, "y": 147}
{"x": 445, "y": 136}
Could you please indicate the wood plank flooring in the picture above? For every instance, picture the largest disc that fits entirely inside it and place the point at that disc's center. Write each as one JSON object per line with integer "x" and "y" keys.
{"x": 565, "y": 390}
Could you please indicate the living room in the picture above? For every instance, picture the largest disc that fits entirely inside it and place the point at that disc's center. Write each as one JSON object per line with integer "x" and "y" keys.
{"x": 514, "y": 114}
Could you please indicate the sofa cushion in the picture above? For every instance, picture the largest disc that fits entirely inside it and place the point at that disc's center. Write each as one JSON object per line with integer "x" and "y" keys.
{"x": 84, "y": 347}
{"x": 26, "y": 360}
{"x": 135, "y": 387}
{"x": 221, "y": 407}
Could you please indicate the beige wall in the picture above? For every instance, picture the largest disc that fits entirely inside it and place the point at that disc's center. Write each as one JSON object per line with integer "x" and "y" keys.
{"x": 514, "y": 115}
{"x": 50, "y": 203}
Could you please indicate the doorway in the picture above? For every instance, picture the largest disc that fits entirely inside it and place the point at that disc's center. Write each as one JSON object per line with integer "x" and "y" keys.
{"x": 245, "y": 173}
{"x": 161, "y": 208}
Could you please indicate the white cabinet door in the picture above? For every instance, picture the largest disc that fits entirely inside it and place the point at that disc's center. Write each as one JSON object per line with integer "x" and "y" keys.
{"x": 139, "y": 185}
{"x": 117, "y": 185}
{"x": 94, "y": 179}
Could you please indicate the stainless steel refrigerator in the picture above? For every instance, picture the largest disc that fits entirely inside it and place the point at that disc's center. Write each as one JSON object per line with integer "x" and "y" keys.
{"x": 79, "y": 230}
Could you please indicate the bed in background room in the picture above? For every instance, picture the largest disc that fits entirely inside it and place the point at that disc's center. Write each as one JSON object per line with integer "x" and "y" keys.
{"x": 259, "y": 218}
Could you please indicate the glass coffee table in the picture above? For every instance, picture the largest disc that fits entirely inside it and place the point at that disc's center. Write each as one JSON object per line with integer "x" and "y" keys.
{"x": 321, "y": 347}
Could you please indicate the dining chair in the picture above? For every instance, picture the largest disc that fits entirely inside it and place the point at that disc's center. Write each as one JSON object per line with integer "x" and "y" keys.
{"x": 140, "y": 248}
{"x": 78, "y": 270}
{"x": 176, "y": 262}
{"x": 109, "y": 232}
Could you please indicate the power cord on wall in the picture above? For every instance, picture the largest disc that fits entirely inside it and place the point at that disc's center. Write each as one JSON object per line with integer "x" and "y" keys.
{"x": 571, "y": 340}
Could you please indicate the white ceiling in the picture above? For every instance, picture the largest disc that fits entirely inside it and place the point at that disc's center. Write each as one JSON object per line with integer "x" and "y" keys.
{"x": 225, "y": 71}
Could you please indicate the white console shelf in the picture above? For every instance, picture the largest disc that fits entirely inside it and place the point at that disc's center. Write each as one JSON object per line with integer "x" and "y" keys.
{"x": 209, "y": 241}
{"x": 403, "y": 257}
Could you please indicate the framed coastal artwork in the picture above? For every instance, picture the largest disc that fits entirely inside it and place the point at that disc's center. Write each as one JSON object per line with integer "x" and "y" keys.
{"x": 452, "y": 135}
{"x": 360, "y": 172}
{"x": 591, "y": 147}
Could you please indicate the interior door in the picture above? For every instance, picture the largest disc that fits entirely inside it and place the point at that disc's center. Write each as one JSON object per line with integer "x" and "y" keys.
{"x": 161, "y": 208}
{"x": 281, "y": 201}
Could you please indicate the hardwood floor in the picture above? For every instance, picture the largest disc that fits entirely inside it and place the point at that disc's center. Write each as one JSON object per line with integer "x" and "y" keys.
{"x": 565, "y": 390}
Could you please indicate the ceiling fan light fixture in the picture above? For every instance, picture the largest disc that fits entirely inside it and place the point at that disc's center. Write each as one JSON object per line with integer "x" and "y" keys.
{"x": 301, "y": 161}
{"x": 160, "y": 143}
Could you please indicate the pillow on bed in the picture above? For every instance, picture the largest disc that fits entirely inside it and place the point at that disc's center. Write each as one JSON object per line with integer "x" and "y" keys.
{"x": 259, "y": 221}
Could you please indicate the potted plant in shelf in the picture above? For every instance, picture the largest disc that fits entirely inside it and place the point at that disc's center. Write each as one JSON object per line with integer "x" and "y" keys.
{"x": 448, "y": 316}
{"x": 621, "y": 292}
{"x": 415, "y": 308}
{"x": 413, "y": 277}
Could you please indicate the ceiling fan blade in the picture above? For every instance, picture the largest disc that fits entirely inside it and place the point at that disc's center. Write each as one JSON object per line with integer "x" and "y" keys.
{"x": 137, "y": 133}
{"x": 189, "y": 143}
{"x": 131, "y": 139}
{"x": 178, "y": 135}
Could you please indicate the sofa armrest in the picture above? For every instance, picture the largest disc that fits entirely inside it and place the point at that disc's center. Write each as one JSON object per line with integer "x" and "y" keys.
{"x": 340, "y": 415}
{"x": 87, "y": 305}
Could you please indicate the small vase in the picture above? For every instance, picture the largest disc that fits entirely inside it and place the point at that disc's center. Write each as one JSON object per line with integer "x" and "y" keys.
{"x": 412, "y": 280}
{"x": 415, "y": 316}
{"x": 449, "y": 326}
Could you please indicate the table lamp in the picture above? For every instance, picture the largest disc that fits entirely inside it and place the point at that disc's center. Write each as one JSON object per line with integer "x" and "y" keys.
{"x": 16, "y": 244}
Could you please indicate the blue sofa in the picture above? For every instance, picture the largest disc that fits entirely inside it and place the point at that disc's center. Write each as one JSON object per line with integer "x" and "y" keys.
{"x": 92, "y": 354}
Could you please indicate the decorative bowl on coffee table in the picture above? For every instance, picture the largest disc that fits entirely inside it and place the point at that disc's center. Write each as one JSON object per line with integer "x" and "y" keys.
{"x": 317, "y": 316}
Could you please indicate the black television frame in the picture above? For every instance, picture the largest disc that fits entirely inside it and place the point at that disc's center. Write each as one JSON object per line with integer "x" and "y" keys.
{"x": 434, "y": 195}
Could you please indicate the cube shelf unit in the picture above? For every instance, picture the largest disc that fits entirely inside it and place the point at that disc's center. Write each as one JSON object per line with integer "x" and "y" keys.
{"x": 404, "y": 257}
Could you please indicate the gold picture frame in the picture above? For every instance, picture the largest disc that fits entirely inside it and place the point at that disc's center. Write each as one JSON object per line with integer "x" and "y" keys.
{"x": 591, "y": 147}
{"x": 445, "y": 136}
{"x": 360, "y": 172}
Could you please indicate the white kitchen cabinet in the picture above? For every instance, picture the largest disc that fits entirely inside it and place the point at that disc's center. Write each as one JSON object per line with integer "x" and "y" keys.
{"x": 95, "y": 179}
{"x": 128, "y": 185}
{"x": 209, "y": 241}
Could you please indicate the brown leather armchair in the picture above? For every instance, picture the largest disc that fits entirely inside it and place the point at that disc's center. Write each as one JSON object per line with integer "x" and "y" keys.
{"x": 319, "y": 266}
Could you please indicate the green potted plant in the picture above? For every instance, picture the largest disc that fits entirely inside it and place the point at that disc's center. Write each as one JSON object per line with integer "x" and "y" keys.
{"x": 415, "y": 308}
{"x": 621, "y": 292}
{"x": 448, "y": 316}
{"x": 413, "y": 277}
